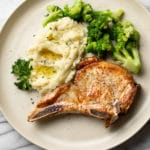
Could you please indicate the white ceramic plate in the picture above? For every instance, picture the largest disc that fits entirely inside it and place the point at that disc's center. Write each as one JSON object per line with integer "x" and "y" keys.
{"x": 74, "y": 131}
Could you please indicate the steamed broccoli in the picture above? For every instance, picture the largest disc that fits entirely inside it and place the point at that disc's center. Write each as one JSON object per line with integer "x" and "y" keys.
{"x": 55, "y": 13}
{"x": 94, "y": 33}
{"x": 87, "y": 13}
{"x": 98, "y": 26}
{"x": 113, "y": 16}
{"x": 99, "y": 31}
{"x": 126, "y": 48}
{"x": 75, "y": 11}
{"x": 99, "y": 47}
{"x": 101, "y": 22}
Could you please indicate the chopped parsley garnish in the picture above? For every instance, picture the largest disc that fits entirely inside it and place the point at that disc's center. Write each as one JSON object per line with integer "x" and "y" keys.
{"x": 22, "y": 69}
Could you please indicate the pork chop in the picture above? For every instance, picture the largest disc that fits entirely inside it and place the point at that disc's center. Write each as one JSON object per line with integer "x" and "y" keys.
{"x": 100, "y": 89}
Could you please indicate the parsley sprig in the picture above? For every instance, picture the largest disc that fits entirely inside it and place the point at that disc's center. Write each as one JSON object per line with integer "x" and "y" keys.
{"x": 22, "y": 69}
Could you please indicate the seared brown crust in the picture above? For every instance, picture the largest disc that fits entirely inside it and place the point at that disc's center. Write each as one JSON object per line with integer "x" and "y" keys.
{"x": 50, "y": 97}
{"x": 100, "y": 89}
{"x": 87, "y": 61}
{"x": 128, "y": 97}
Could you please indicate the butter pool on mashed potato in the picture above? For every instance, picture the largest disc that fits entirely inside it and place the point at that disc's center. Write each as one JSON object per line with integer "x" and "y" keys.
{"x": 56, "y": 52}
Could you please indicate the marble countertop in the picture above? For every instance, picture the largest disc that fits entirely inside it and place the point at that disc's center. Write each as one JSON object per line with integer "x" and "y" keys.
{"x": 11, "y": 140}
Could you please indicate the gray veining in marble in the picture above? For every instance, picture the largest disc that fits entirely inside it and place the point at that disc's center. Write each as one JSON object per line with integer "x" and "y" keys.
{"x": 11, "y": 140}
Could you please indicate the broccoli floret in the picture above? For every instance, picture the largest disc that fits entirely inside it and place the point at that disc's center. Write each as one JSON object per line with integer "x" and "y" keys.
{"x": 123, "y": 30}
{"x": 75, "y": 11}
{"x": 98, "y": 33}
{"x": 101, "y": 14}
{"x": 127, "y": 44}
{"x": 55, "y": 13}
{"x": 101, "y": 21}
{"x": 94, "y": 33}
{"x": 98, "y": 27}
{"x": 111, "y": 15}
{"x": 99, "y": 47}
{"x": 87, "y": 13}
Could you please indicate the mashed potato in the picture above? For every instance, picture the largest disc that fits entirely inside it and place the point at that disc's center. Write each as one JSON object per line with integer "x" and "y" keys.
{"x": 56, "y": 52}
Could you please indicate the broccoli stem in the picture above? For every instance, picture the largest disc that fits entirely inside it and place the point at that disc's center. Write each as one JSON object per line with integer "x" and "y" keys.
{"x": 133, "y": 64}
{"x": 51, "y": 18}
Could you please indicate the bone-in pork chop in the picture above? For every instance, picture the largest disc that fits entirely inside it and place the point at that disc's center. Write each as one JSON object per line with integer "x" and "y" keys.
{"x": 100, "y": 89}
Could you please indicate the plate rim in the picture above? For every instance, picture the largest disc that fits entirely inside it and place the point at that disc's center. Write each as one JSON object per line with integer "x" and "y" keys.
{"x": 115, "y": 144}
